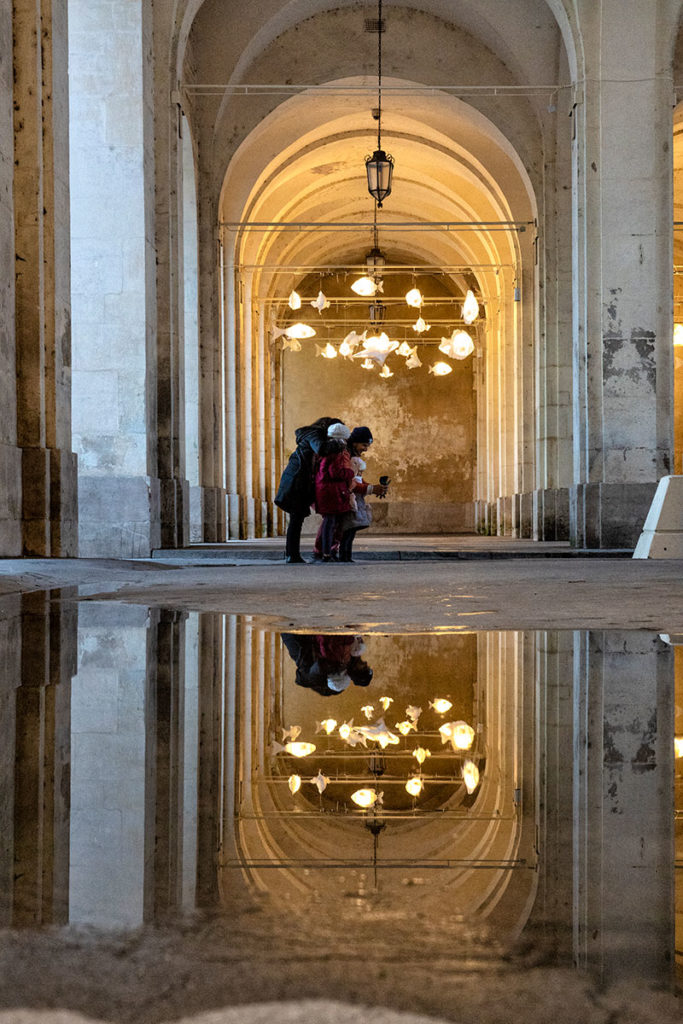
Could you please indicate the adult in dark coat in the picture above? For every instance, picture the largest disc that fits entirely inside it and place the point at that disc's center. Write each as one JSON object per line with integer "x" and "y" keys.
{"x": 296, "y": 491}
{"x": 323, "y": 662}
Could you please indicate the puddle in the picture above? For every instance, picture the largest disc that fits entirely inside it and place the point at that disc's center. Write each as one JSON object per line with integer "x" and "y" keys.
{"x": 149, "y": 779}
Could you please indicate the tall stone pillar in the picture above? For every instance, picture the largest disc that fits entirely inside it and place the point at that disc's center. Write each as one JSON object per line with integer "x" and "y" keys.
{"x": 115, "y": 398}
{"x": 623, "y": 818}
{"x": 42, "y": 303}
{"x": 622, "y": 274}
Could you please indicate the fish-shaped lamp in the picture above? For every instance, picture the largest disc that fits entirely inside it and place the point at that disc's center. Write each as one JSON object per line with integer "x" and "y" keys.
{"x": 320, "y": 782}
{"x": 440, "y": 369}
{"x": 470, "y": 308}
{"x": 366, "y": 797}
{"x": 470, "y": 774}
{"x": 366, "y": 286}
{"x": 440, "y": 705}
{"x": 294, "y": 301}
{"x": 414, "y": 785}
{"x": 421, "y": 754}
{"x": 328, "y": 725}
{"x": 328, "y": 352}
{"x": 420, "y": 326}
{"x": 299, "y": 749}
{"x": 294, "y": 783}
{"x": 414, "y": 298}
{"x": 320, "y": 303}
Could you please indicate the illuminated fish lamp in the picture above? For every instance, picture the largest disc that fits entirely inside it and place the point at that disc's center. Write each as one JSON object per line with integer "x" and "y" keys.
{"x": 364, "y": 797}
{"x": 299, "y": 749}
{"x": 379, "y": 167}
{"x": 414, "y": 785}
{"x": 470, "y": 775}
{"x": 364, "y": 286}
{"x": 678, "y": 334}
{"x": 470, "y": 308}
{"x": 678, "y": 746}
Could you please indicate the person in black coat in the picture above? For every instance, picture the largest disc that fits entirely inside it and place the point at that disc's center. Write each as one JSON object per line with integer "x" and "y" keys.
{"x": 296, "y": 491}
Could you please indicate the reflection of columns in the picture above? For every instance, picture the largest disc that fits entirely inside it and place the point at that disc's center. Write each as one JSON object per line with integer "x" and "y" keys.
{"x": 164, "y": 798}
{"x": 622, "y": 280}
{"x": 35, "y": 732}
{"x": 623, "y": 810}
{"x": 42, "y": 303}
{"x": 209, "y": 784}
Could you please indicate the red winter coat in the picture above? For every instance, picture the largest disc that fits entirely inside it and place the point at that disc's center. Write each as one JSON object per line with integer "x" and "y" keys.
{"x": 333, "y": 476}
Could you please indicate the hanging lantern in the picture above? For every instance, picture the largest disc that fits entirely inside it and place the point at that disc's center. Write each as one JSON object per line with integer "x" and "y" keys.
{"x": 414, "y": 298}
{"x": 377, "y": 312}
{"x": 365, "y": 797}
{"x": 379, "y": 168}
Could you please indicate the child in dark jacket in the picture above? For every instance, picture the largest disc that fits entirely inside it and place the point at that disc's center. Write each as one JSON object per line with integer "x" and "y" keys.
{"x": 333, "y": 485}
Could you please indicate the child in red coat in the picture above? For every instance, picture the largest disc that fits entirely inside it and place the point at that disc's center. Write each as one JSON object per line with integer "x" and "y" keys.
{"x": 333, "y": 485}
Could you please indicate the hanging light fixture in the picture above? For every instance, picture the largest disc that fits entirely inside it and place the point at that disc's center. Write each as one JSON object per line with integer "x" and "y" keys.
{"x": 678, "y": 334}
{"x": 414, "y": 298}
{"x": 380, "y": 166}
{"x": 470, "y": 308}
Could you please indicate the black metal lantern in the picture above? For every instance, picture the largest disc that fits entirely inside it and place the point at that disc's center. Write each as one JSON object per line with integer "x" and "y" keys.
{"x": 377, "y": 312}
{"x": 379, "y": 168}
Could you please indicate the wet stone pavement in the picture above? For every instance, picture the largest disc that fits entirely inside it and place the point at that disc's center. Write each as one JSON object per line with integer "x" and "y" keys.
{"x": 200, "y": 811}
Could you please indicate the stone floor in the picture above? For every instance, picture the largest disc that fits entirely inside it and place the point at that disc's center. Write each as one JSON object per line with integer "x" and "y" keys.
{"x": 210, "y": 971}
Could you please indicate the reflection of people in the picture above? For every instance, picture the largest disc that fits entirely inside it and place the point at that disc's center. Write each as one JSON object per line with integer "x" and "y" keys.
{"x": 296, "y": 491}
{"x": 327, "y": 664}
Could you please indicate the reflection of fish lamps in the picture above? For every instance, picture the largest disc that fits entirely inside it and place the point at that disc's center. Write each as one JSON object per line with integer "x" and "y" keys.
{"x": 380, "y": 166}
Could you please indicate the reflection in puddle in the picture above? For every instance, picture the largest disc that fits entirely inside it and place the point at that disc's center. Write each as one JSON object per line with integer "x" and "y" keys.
{"x": 467, "y": 791}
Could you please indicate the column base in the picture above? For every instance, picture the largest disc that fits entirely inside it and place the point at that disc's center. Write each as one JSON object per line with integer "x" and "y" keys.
{"x": 604, "y": 515}
{"x": 120, "y": 517}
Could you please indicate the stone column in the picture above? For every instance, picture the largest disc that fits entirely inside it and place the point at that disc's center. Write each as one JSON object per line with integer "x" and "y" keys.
{"x": 624, "y": 805}
{"x": 622, "y": 273}
{"x": 42, "y": 303}
{"x": 114, "y": 276}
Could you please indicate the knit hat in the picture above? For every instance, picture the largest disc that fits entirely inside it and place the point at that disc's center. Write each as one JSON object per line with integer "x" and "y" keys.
{"x": 361, "y": 435}
{"x": 339, "y": 431}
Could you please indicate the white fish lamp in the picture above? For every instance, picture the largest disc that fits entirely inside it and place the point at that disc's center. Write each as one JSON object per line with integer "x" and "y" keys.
{"x": 470, "y": 308}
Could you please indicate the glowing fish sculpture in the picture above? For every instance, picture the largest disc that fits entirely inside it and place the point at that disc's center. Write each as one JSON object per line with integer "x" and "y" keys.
{"x": 421, "y": 754}
{"x": 379, "y": 733}
{"x": 678, "y": 746}
{"x": 292, "y": 733}
{"x": 413, "y": 360}
{"x": 414, "y": 785}
{"x": 320, "y": 303}
{"x": 355, "y": 737}
{"x": 368, "y": 710}
{"x": 294, "y": 301}
{"x": 420, "y": 326}
{"x": 300, "y": 749}
{"x": 351, "y": 343}
{"x": 385, "y": 372}
{"x": 440, "y": 705}
{"x": 386, "y": 702}
{"x": 367, "y": 364}
{"x": 294, "y": 783}
{"x": 403, "y": 349}
{"x": 328, "y": 725}
{"x": 320, "y": 782}
{"x": 414, "y": 298}
{"x": 413, "y": 713}
{"x": 405, "y": 727}
{"x": 460, "y": 734}
{"x": 440, "y": 369}
{"x": 328, "y": 352}
{"x": 470, "y": 308}
{"x": 293, "y": 344}
{"x": 367, "y": 797}
{"x": 345, "y": 729}
{"x": 367, "y": 286}
{"x": 458, "y": 346}
{"x": 377, "y": 347}
{"x": 297, "y": 330}
{"x": 470, "y": 774}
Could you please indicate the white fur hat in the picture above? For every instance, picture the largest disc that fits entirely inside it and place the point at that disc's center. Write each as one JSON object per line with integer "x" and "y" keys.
{"x": 339, "y": 431}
